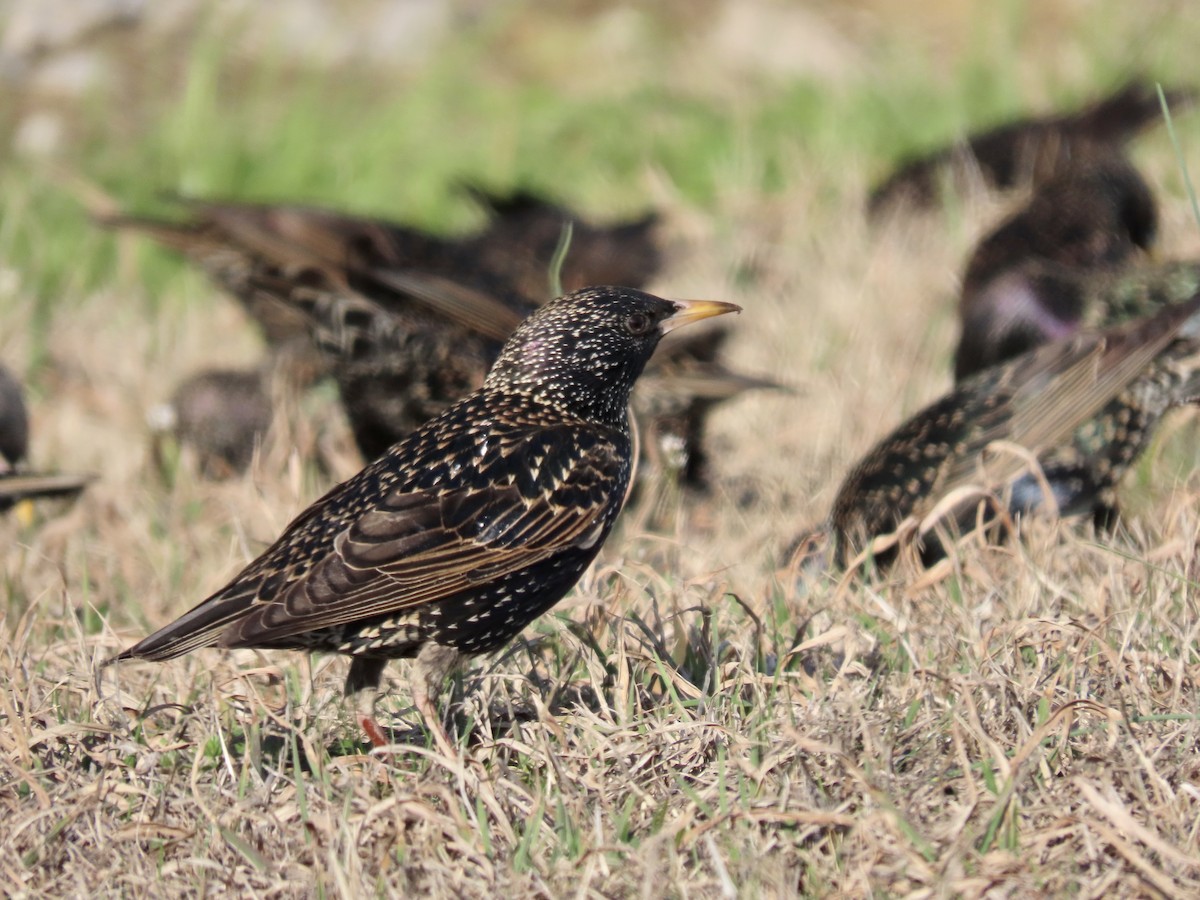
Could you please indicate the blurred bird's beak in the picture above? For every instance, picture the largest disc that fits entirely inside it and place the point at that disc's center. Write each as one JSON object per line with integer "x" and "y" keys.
{"x": 688, "y": 311}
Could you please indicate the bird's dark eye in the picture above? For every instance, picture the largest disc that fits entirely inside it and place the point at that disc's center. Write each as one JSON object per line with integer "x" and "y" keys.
{"x": 638, "y": 323}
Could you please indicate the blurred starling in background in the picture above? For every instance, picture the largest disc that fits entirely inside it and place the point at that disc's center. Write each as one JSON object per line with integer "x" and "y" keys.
{"x": 1085, "y": 407}
{"x": 257, "y": 251}
{"x": 1038, "y": 303}
{"x": 1091, "y": 219}
{"x": 408, "y": 323}
{"x": 222, "y": 414}
{"x": 1032, "y": 150}
{"x": 14, "y": 422}
{"x": 524, "y": 232}
{"x": 17, "y": 486}
{"x": 472, "y": 526}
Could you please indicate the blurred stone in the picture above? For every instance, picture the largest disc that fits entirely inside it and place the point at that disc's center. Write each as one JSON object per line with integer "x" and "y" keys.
{"x": 782, "y": 39}
{"x": 70, "y": 74}
{"x": 318, "y": 32}
{"x": 405, "y": 31}
{"x": 39, "y": 134}
{"x": 33, "y": 27}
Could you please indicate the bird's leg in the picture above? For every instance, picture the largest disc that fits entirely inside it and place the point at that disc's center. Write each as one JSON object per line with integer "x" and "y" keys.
{"x": 433, "y": 664}
{"x": 1106, "y": 516}
{"x": 363, "y": 682}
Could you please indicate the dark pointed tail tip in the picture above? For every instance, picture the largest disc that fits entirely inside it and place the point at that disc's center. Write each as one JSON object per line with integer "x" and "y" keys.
{"x": 120, "y": 657}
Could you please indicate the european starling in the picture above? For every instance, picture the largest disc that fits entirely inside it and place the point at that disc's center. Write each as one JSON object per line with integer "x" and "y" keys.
{"x": 223, "y": 414}
{"x": 17, "y": 486}
{"x": 1037, "y": 303}
{"x": 477, "y": 282}
{"x": 14, "y": 422}
{"x": 410, "y": 323}
{"x": 525, "y": 231}
{"x": 1091, "y": 219}
{"x": 469, "y": 528}
{"x": 1031, "y": 150}
{"x": 1086, "y": 407}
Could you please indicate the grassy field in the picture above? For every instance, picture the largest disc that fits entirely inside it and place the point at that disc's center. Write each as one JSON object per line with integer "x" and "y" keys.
{"x": 690, "y": 721}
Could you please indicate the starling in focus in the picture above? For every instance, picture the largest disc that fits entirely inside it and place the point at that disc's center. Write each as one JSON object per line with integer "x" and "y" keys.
{"x": 1031, "y": 150}
{"x": 1089, "y": 220}
{"x": 472, "y": 526}
{"x": 223, "y": 414}
{"x": 1086, "y": 408}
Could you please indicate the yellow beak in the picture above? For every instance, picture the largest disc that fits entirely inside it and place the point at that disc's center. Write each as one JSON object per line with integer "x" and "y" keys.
{"x": 688, "y": 311}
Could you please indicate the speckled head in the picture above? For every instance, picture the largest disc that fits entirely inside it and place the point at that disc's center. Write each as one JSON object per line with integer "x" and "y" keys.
{"x": 583, "y": 352}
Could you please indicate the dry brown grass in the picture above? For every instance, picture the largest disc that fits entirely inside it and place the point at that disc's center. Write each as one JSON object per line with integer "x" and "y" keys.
{"x": 688, "y": 722}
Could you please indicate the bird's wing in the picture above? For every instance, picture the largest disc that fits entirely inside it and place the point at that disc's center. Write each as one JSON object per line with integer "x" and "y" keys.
{"x": 418, "y": 547}
{"x": 1059, "y": 387}
{"x": 343, "y": 246}
{"x": 481, "y": 312}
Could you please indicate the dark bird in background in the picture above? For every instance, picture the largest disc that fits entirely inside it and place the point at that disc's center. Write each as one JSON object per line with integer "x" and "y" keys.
{"x": 394, "y": 370}
{"x": 524, "y": 231}
{"x": 1032, "y": 150}
{"x": 1041, "y": 302}
{"x": 271, "y": 256}
{"x": 16, "y": 485}
{"x": 14, "y": 422}
{"x": 408, "y": 323}
{"x": 474, "y": 284}
{"x": 471, "y": 527}
{"x": 1019, "y": 290}
{"x": 223, "y": 414}
{"x": 1086, "y": 408}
